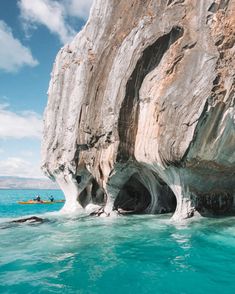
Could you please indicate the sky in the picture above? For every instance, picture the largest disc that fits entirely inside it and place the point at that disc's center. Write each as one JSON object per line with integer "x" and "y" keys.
{"x": 31, "y": 34}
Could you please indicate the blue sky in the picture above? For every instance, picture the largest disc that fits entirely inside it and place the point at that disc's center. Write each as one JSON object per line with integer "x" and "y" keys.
{"x": 31, "y": 34}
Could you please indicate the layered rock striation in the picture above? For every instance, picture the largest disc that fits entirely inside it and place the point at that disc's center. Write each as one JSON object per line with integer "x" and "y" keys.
{"x": 140, "y": 115}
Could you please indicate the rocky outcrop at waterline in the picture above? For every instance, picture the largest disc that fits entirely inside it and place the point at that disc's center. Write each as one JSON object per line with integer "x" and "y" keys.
{"x": 140, "y": 114}
{"x": 31, "y": 219}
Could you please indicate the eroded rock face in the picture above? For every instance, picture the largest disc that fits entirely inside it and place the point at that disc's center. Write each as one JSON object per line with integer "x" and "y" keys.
{"x": 140, "y": 113}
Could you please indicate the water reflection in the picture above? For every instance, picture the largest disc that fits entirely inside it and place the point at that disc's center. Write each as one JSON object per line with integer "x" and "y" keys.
{"x": 182, "y": 240}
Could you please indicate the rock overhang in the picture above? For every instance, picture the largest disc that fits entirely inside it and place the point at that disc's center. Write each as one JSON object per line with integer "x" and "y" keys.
{"x": 148, "y": 94}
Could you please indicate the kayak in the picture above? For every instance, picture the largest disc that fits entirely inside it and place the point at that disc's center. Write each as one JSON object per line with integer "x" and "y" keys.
{"x": 41, "y": 202}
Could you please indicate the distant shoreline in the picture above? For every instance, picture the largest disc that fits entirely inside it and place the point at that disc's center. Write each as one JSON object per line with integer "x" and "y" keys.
{"x": 17, "y": 183}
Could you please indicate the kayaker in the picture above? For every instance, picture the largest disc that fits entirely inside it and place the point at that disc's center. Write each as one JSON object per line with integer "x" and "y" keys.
{"x": 38, "y": 198}
{"x": 51, "y": 198}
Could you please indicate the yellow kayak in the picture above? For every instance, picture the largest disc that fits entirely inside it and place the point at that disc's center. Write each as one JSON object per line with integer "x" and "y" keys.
{"x": 40, "y": 202}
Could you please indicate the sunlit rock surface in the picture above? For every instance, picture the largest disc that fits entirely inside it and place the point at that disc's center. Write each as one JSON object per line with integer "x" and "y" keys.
{"x": 140, "y": 115}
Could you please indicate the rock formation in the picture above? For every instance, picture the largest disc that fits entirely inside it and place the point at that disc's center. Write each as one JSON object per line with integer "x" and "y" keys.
{"x": 140, "y": 115}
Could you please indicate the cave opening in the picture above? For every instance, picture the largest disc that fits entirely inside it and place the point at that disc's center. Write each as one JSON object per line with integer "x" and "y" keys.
{"x": 97, "y": 194}
{"x": 135, "y": 198}
{"x": 92, "y": 193}
{"x": 167, "y": 201}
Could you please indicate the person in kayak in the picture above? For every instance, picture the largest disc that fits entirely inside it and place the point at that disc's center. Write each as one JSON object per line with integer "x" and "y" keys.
{"x": 51, "y": 198}
{"x": 38, "y": 198}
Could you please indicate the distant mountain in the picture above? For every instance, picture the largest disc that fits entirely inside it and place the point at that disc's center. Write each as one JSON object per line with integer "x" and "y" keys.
{"x": 26, "y": 183}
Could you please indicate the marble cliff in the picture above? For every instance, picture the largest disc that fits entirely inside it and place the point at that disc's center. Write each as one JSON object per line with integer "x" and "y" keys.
{"x": 140, "y": 115}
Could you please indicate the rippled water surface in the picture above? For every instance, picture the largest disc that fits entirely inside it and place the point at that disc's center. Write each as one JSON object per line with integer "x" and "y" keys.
{"x": 132, "y": 254}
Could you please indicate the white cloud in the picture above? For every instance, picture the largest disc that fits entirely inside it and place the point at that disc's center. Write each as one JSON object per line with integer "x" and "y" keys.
{"x": 13, "y": 55}
{"x": 54, "y": 15}
{"x": 16, "y": 166}
{"x": 26, "y": 124}
{"x": 27, "y": 153}
{"x": 48, "y": 13}
{"x": 79, "y": 8}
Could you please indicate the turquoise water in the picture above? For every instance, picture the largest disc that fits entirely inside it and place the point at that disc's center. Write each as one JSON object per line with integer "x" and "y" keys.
{"x": 9, "y": 206}
{"x": 131, "y": 254}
